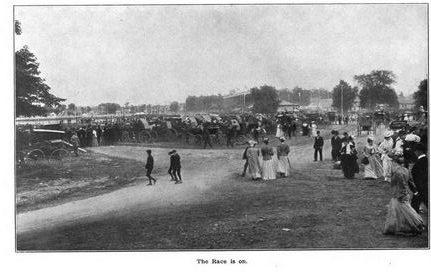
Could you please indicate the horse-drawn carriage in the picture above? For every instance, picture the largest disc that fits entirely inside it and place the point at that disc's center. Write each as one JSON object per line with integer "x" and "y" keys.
{"x": 36, "y": 144}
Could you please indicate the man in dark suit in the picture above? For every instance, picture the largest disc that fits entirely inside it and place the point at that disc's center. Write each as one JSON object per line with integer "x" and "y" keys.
{"x": 149, "y": 167}
{"x": 318, "y": 146}
{"x": 336, "y": 145}
{"x": 420, "y": 177}
{"x": 176, "y": 166}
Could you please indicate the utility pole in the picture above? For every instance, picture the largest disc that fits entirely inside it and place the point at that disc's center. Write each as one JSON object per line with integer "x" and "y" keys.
{"x": 342, "y": 113}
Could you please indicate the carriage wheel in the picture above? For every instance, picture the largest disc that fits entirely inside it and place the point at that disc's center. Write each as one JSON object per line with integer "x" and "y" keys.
{"x": 189, "y": 138}
{"x": 175, "y": 133}
{"x": 171, "y": 134}
{"x": 125, "y": 137}
{"x": 198, "y": 139}
{"x": 145, "y": 137}
{"x": 222, "y": 138}
{"x": 60, "y": 154}
{"x": 34, "y": 155}
{"x": 154, "y": 136}
{"x": 241, "y": 140}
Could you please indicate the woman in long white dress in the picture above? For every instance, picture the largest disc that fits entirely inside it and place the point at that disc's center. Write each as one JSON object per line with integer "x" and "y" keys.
{"x": 313, "y": 129}
{"x": 279, "y": 133}
{"x": 374, "y": 168}
{"x": 401, "y": 217}
{"x": 385, "y": 148}
{"x": 268, "y": 171}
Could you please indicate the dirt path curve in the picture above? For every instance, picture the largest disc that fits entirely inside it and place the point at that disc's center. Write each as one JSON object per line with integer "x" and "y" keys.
{"x": 208, "y": 168}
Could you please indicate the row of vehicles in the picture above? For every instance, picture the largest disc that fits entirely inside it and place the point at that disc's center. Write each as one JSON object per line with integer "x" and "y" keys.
{"x": 52, "y": 140}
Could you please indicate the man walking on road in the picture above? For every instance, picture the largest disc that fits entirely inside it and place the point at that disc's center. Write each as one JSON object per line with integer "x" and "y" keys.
{"x": 318, "y": 146}
{"x": 149, "y": 167}
{"x": 175, "y": 169}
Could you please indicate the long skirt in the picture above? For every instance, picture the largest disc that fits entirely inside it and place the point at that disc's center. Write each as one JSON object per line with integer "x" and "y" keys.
{"x": 254, "y": 169}
{"x": 402, "y": 218}
{"x": 283, "y": 165}
{"x": 279, "y": 133}
{"x": 268, "y": 171}
{"x": 374, "y": 169}
{"x": 275, "y": 163}
{"x": 387, "y": 167}
{"x": 348, "y": 165}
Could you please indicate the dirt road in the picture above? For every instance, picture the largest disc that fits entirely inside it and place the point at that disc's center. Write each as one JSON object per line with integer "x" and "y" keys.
{"x": 201, "y": 170}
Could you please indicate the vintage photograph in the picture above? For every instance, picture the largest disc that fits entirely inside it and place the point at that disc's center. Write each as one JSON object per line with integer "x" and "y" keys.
{"x": 221, "y": 127}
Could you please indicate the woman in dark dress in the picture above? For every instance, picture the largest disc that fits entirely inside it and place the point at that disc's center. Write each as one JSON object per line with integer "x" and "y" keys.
{"x": 348, "y": 158}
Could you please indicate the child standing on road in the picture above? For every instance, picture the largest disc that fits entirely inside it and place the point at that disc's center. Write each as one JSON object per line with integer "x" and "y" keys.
{"x": 149, "y": 167}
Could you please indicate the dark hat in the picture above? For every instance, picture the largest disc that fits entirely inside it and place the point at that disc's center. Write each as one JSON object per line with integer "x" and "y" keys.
{"x": 172, "y": 152}
{"x": 149, "y": 150}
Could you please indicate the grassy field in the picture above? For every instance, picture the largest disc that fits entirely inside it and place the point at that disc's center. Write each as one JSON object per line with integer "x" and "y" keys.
{"x": 47, "y": 183}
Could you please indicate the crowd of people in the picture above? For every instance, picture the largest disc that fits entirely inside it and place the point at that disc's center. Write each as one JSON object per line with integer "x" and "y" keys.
{"x": 399, "y": 160}
{"x": 267, "y": 162}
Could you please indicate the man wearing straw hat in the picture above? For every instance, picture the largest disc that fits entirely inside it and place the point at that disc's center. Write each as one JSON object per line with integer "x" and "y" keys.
{"x": 283, "y": 159}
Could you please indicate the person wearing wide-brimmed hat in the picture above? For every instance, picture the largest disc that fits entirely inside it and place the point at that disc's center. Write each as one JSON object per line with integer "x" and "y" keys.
{"x": 283, "y": 159}
{"x": 373, "y": 168}
{"x": 386, "y": 147}
{"x": 399, "y": 142}
{"x": 268, "y": 171}
{"x": 401, "y": 217}
{"x": 252, "y": 155}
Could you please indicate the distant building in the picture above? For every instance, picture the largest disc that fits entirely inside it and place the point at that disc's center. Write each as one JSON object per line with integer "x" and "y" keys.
{"x": 406, "y": 102}
{"x": 287, "y": 106}
{"x": 317, "y": 104}
{"x": 239, "y": 101}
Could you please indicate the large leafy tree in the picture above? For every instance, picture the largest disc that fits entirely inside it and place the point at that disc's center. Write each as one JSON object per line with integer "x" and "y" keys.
{"x": 344, "y": 92}
{"x": 376, "y": 89}
{"x": 32, "y": 94}
{"x": 421, "y": 95}
{"x": 204, "y": 103}
{"x": 174, "y": 106}
{"x": 265, "y": 99}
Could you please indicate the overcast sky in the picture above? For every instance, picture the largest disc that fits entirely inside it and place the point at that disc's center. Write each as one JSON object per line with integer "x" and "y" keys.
{"x": 157, "y": 54}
